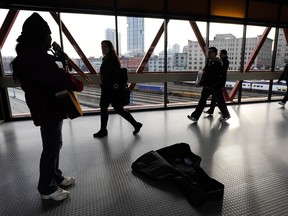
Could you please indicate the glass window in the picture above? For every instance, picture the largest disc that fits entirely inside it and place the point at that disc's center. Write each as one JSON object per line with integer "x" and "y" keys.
{"x": 16, "y": 95}
{"x": 133, "y": 40}
{"x": 187, "y": 45}
{"x": 258, "y": 89}
{"x": 137, "y": 36}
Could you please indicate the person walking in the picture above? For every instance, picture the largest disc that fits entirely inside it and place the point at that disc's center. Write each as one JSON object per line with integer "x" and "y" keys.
{"x": 212, "y": 82}
{"x": 41, "y": 78}
{"x": 109, "y": 77}
{"x": 225, "y": 66}
{"x": 284, "y": 76}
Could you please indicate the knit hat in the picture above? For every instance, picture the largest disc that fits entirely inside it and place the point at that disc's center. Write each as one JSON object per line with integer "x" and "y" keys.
{"x": 35, "y": 26}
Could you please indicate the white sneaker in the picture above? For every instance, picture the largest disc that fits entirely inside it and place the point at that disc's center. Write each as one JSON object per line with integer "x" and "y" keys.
{"x": 58, "y": 195}
{"x": 224, "y": 119}
{"x": 67, "y": 181}
{"x": 281, "y": 103}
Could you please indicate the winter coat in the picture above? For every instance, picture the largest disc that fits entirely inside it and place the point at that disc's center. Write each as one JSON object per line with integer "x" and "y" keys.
{"x": 179, "y": 166}
{"x": 212, "y": 74}
{"x": 114, "y": 82}
{"x": 225, "y": 67}
{"x": 41, "y": 78}
{"x": 109, "y": 71}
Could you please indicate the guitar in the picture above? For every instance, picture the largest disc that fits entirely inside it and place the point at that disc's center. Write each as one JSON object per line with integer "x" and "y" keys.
{"x": 70, "y": 103}
{"x": 67, "y": 98}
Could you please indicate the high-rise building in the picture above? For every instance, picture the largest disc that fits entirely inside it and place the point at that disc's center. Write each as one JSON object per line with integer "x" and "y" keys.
{"x": 282, "y": 50}
{"x": 135, "y": 36}
{"x": 110, "y": 34}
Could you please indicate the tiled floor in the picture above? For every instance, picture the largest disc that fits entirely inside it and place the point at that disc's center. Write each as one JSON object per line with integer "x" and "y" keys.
{"x": 248, "y": 154}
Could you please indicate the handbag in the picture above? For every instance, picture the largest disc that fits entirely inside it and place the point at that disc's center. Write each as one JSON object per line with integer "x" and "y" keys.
{"x": 126, "y": 99}
{"x": 122, "y": 95}
{"x": 122, "y": 92}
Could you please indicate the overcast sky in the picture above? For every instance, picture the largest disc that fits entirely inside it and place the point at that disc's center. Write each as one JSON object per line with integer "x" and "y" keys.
{"x": 89, "y": 31}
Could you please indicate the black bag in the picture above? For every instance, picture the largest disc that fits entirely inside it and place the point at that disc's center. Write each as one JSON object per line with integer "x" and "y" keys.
{"x": 121, "y": 95}
{"x": 122, "y": 91}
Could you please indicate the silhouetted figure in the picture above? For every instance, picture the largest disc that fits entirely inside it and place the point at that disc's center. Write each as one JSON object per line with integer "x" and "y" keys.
{"x": 212, "y": 81}
{"x": 109, "y": 76}
{"x": 284, "y": 76}
{"x": 225, "y": 66}
{"x": 41, "y": 78}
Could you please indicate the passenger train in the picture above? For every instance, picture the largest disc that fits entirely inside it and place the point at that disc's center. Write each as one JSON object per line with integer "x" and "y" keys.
{"x": 259, "y": 85}
{"x": 248, "y": 85}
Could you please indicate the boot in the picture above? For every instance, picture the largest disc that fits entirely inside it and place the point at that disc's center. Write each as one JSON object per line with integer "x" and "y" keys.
{"x": 137, "y": 127}
{"x": 101, "y": 133}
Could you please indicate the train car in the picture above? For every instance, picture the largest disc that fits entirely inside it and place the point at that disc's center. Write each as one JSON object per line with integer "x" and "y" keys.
{"x": 259, "y": 86}
{"x": 151, "y": 88}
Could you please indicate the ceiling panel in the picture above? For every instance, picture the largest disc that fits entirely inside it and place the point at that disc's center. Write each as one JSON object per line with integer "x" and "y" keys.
{"x": 228, "y": 8}
{"x": 263, "y": 11}
{"x": 284, "y": 14}
{"x": 140, "y": 5}
{"x": 179, "y": 7}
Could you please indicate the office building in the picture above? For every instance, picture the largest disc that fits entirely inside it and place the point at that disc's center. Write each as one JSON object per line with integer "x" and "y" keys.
{"x": 233, "y": 45}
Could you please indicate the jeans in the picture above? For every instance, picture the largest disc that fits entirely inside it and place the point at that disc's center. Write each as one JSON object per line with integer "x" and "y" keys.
{"x": 50, "y": 174}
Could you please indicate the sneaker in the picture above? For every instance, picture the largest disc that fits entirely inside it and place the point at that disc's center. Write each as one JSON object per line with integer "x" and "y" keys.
{"x": 192, "y": 118}
{"x": 100, "y": 134}
{"x": 67, "y": 181}
{"x": 58, "y": 195}
{"x": 281, "y": 103}
{"x": 208, "y": 112}
{"x": 137, "y": 128}
{"x": 224, "y": 118}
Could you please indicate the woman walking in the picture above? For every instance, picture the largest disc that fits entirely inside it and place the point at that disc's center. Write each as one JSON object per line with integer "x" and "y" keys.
{"x": 109, "y": 72}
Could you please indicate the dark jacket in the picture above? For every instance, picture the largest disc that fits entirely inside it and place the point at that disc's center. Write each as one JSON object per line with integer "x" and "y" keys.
{"x": 114, "y": 81}
{"x": 179, "y": 166}
{"x": 109, "y": 71}
{"x": 212, "y": 74}
{"x": 225, "y": 67}
{"x": 41, "y": 78}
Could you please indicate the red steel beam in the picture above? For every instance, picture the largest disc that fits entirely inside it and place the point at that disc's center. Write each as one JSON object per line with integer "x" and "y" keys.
{"x": 234, "y": 91}
{"x": 198, "y": 36}
{"x": 74, "y": 44}
{"x": 202, "y": 44}
{"x": 257, "y": 49}
{"x": 251, "y": 60}
{"x": 149, "y": 53}
{"x": 286, "y": 34}
{"x": 225, "y": 94}
{"x": 7, "y": 25}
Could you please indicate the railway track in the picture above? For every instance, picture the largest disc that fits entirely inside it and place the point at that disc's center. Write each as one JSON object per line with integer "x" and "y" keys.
{"x": 90, "y": 96}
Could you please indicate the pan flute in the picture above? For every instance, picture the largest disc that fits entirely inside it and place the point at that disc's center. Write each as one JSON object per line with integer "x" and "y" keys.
{"x": 70, "y": 103}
